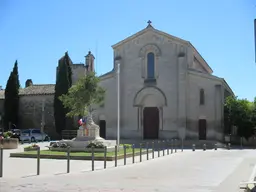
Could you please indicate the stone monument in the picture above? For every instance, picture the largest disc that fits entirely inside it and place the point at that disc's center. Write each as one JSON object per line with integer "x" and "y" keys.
{"x": 87, "y": 133}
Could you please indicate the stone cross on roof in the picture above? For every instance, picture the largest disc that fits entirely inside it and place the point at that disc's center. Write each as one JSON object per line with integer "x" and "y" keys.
{"x": 149, "y": 23}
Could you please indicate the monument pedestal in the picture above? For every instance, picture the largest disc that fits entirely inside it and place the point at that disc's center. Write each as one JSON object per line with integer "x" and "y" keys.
{"x": 85, "y": 135}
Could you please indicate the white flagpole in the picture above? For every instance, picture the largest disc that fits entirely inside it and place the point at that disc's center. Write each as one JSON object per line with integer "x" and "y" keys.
{"x": 118, "y": 104}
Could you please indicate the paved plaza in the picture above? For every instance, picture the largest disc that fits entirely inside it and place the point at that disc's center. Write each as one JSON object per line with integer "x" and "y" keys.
{"x": 200, "y": 171}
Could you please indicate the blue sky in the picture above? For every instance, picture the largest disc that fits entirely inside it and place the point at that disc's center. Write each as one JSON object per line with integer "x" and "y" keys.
{"x": 38, "y": 32}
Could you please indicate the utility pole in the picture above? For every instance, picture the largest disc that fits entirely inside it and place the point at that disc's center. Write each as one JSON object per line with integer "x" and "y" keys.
{"x": 43, "y": 116}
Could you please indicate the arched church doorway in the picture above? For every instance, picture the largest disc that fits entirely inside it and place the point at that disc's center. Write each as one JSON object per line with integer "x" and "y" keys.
{"x": 150, "y": 123}
{"x": 103, "y": 129}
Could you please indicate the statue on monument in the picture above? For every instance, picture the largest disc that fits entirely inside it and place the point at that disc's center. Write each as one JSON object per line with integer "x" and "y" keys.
{"x": 87, "y": 127}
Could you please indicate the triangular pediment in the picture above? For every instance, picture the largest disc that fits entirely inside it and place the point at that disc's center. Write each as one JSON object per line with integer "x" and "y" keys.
{"x": 149, "y": 28}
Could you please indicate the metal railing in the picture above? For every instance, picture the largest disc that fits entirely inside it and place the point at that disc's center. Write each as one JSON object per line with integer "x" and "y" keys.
{"x": 145, "y": 151}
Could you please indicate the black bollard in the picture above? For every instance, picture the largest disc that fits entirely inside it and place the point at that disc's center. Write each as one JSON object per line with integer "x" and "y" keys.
{"x": 116, "y": 156}
{"x": 1, "y": 161}
{"x": 182, "y": 145}
{"x": 124, "y": 155}
{"x": 147, "y": 149}
{"x": 229, "y": 146}
{"x": 175, "y": 145}
{"x": 140, "y": 152}
{"x": 105, "y": 157}
{"x": 215, "y": 146}
{"x": 153, "y": 150}
{"x": 92, "y": 158}
{"x": 204, "y": 147}
{"x": 172, "y": 146}
{"x": 193, "y": 147}
{"x": 163, "y": 145}
{"x": 241, "y": 143}
{"x": 68, "y": 159}
{"x": 167, "y": 144}
{"x": 158, "y": 148}
{"x": 38, "y": 161}
{"x": 133, "y": 146}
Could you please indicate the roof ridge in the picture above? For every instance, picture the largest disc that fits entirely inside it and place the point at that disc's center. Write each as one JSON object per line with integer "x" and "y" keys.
{"x": 40, "y": 85}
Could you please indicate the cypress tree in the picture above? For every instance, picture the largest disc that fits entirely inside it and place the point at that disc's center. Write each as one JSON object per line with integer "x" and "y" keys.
{"x": 11, "y": 102}
{"x": 61, "y": 87}
{"x": 68, "y": 62}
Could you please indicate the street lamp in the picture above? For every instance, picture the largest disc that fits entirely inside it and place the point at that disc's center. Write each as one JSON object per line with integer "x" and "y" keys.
{"x": 118, "y": 104}
{"x": 255, "y": 38}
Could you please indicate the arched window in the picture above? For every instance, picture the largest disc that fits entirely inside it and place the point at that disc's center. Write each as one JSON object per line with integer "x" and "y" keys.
{"x": 201, "y": 97}
{"x": 150, "y": 65}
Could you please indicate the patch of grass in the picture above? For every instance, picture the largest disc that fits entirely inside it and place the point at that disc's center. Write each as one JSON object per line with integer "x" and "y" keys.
{"x": 82, "y": 154}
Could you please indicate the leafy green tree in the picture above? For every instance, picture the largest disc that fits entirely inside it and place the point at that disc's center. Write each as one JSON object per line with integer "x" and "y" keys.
{"x": 61, "y": 87}
{"x": 240, "y": 113}
{"x": 82, "y": 96}
{"x": 244, "y": 119}
{"x": 11, "y": 102}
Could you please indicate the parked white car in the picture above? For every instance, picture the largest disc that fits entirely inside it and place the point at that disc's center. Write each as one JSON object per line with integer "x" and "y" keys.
{"x": 33, "y": 135}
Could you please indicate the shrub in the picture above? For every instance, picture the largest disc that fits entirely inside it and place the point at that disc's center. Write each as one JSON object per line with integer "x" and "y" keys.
{"x": 63, "y": 145}
{"x": 95, "y": 144}
{"x": 55, "y": 145}
{"x": 8, "y": 134}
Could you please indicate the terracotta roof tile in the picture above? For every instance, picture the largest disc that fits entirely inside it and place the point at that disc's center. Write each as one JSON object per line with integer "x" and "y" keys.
{"x": 40, "y": 89}
{"x": 37, "y": 89}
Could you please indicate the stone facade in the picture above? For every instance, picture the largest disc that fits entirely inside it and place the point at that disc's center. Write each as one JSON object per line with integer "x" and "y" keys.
{"x": 180, "y": 73}
{"x": 179, "y": 91}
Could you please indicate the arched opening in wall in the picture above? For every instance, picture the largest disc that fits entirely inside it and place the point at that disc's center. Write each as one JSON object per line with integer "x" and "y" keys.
{"x": 202, "y": 126}
{"x": 150, "y": 123}
{"x": 103, "y": 129}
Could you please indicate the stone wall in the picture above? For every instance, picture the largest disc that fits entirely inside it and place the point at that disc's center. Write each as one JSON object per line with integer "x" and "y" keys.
{"x": 30, "y": 113}
{"x": 211, "y": 110}
{"x": 78, "y": 71}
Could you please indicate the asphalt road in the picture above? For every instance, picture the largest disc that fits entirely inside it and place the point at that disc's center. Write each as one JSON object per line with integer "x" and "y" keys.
{"x": 200, "y": 171}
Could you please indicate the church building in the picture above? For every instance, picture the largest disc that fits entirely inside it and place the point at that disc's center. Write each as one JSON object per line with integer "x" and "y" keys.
{"x": 167, "y": 90}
